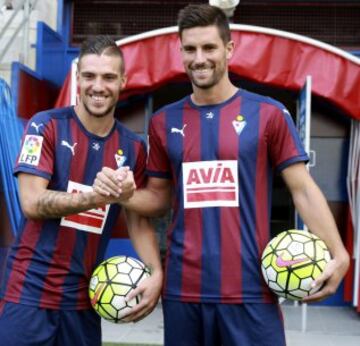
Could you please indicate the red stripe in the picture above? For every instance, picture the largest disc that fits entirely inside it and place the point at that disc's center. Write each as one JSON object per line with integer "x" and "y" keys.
{"x": 231, "y": 267}
{"x": 94, "y": 213}
{"x": 175, "y": 205}
{"x": 22, "y": 261}
{"x": 349, "y": 241}
{"x": 85, "y": 220}
{"x": 93, "y": 241}
{"x": 261, "y": 196}
{"x": 58, "y": 269}
{"x": 2, "y": 306}
{"x": 65, "y": 244}
{"x": 211, "y": 196}
{"x": 191, "y": 269}
{"x": 209, "y": 188}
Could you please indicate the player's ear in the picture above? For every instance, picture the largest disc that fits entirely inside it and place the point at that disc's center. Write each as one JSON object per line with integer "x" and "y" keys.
{"x": 230, "y": 46}
{"x": 123, "y": 82}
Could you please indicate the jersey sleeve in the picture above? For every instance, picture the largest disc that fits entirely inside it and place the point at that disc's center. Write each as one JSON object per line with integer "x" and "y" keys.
{"x": 158, "y": 161}
{"x": 285, "y": 147}
{"x": 37, "y": 148}
{"x": 140, "y": 165}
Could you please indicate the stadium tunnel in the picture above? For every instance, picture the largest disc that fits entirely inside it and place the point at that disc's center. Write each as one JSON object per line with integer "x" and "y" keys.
{"x": 267, "y": 61}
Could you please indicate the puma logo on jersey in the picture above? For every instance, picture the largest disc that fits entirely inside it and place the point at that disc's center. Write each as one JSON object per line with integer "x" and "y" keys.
{"x": 71, "y": 147}
{"x": 176, "y": 130}
{"x": 36, "y": 126}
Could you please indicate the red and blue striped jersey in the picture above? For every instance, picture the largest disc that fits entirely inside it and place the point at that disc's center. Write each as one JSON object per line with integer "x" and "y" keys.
{"x": 221, "y": 160}
{"x": 51, "y": 261}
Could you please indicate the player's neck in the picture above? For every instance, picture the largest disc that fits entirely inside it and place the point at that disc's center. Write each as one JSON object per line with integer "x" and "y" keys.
{"x": 217, "y": 94}
{"x": 98, "y": 126}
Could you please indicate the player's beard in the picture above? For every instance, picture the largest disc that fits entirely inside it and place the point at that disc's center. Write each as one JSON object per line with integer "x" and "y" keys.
{"x": 217, "y": 73}
{"x": 103, "y": 114}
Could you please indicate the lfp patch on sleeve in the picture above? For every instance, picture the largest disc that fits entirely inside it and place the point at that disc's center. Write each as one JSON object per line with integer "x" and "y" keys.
{"x": 92, "y": 220}
{"x": 210, "y": 184}
{"x": 31, "y": 150}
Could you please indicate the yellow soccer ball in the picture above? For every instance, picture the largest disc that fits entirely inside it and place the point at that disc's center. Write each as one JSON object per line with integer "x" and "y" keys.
{"x": 291, "y": 261}
{"x": 111, "y": 282}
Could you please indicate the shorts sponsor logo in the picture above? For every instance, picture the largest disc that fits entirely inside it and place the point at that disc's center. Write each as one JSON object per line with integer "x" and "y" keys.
{"x": 31, "y": 150}
{"x": 210, "y": 184}
{"x": 92, "y": 220}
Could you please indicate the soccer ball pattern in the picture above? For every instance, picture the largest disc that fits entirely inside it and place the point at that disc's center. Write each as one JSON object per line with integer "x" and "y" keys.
{"x": 111, "y": 282}
{"x": 291, "y": 261}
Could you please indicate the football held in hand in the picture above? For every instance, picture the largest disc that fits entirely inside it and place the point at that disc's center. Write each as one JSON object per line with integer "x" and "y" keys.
{"x": 292, "y": 261}
{"x": 111, "y": 282}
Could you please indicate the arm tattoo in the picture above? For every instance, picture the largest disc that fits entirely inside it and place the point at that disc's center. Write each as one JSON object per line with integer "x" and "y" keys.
{"x": 55, "y": 204}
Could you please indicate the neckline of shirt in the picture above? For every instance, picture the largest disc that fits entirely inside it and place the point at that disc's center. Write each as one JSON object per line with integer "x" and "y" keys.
{"x": 88, "y": 133}
{"x": 215, "y": 105}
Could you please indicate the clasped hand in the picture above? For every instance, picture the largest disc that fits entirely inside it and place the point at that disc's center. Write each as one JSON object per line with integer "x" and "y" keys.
{"x": 117, "y": 184}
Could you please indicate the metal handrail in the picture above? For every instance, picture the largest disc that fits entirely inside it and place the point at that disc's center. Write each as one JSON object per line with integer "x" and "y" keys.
{"x": 20, "y": 5}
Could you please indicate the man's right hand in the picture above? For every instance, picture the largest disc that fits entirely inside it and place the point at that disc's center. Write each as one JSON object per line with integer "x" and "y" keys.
{"x": 119, "y": 183}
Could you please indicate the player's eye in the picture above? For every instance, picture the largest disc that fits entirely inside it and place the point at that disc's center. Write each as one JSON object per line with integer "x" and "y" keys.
{"x": 189, "y": 49}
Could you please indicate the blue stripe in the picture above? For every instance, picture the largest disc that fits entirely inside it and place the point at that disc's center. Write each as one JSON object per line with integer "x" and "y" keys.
{"x": 175, "y": 147}
{"x": 248, "y": 148}
{"x": 211, "y": 229}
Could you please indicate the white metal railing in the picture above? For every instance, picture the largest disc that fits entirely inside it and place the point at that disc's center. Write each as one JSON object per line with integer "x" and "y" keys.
{"x": 27, "y": 6}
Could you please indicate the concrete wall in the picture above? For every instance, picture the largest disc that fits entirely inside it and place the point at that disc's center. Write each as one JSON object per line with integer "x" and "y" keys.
{"x": 45, "y": 10}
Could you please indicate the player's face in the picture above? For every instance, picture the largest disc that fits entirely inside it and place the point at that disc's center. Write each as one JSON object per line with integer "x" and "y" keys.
{"x": 205, "y": 56}
{"x": 100, "y": 80}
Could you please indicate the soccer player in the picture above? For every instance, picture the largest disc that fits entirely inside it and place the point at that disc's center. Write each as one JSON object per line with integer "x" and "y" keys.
{"x": 214, "y": 152}
{"x": 67, "y": 226}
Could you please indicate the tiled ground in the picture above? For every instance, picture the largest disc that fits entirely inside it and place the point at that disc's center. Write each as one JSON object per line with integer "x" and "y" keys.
{"x": 325, "y": 326}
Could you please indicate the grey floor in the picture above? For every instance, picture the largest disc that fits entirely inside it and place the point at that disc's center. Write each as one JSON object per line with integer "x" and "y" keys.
{"x": 325, "y": 326}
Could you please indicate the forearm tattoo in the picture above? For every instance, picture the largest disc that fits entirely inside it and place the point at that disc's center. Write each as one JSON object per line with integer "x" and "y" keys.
{"x": 55, "y": 204}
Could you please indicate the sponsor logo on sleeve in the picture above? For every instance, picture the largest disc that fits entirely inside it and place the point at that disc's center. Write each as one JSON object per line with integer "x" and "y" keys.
{"x": 92, "y": 220}
{"x": 31, "y": 150}
{"x": 210, "y": 184}
{"x": 36, "y": 126}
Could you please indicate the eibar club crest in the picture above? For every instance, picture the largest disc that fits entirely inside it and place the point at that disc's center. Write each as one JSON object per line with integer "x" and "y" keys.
{"x": 239, "y": 123}
{"x": 120, "y": 158}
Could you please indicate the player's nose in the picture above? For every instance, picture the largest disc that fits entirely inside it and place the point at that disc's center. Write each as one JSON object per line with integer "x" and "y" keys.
{"x": 199, "y": 57}
{"x": 98, "y": 84}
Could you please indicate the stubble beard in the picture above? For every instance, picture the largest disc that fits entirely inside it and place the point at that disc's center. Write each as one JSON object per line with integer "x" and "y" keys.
{"x": 99, "y": 115}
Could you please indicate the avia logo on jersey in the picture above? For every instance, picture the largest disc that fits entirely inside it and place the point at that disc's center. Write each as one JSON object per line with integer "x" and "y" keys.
{"x": 31, "y": 150}
{"x": 92, "y": 220}
{"x": 120, "y": 158}
{"x": 210, "y": 184}
{"x": 239, "y": 123}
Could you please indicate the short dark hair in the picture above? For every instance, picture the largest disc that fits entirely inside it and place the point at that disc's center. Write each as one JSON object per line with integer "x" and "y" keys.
{"x": 102, "y": 44}
{"x": 195, "y": 15}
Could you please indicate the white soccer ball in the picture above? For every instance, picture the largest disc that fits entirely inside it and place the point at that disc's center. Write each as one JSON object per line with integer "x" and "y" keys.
{"x": 292, "y": 261}
{"x": 111, "y": 282}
